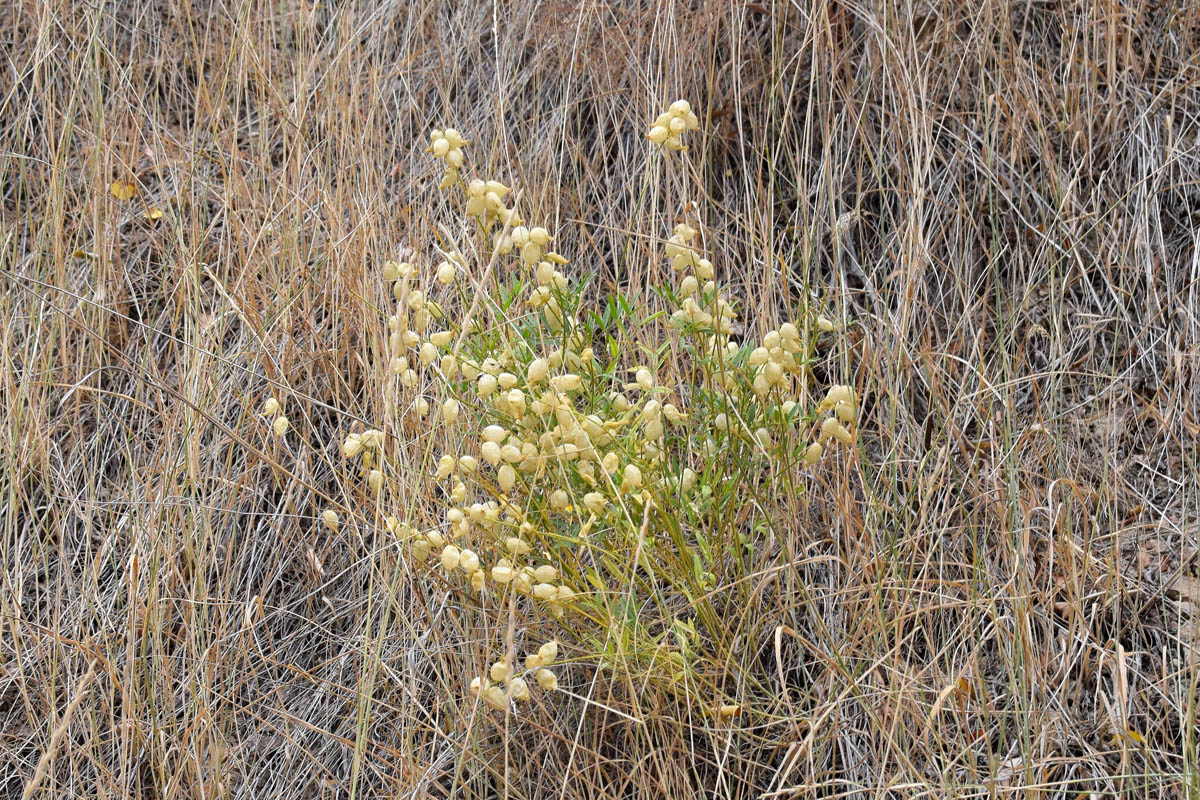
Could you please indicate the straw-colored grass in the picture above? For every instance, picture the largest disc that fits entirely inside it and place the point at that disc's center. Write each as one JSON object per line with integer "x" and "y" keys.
{"x": 997, "y": 596}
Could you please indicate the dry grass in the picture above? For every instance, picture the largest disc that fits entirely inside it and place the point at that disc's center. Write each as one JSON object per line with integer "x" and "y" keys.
{"x": 997, "y": 599}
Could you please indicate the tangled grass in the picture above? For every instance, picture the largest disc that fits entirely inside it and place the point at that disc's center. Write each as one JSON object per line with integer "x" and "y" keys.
{"x": 993, "y": 593}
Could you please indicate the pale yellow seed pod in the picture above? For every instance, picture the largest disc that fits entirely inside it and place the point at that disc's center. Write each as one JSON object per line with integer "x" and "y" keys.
{"x": 531, "y": 253}
{"x": 468, "y": 464}
{"x": 441, "y": 338}
{"x": 280, "y": 425}
{"x": 545, "y": 591}
{"x": 825, "y": 325}
{"x": 559, "y": 499}
{"x": 658, "y": 134}
{"x": 476, "y": 685}
{"x": 516, "y": 400}
{"x": 548, "y": 652}
{"x": 677, "y": 126}
{"x": 427, "y": 354}
{"x": 538, "y": 368}
{"x": 495, "y": 433}
{"x": 620, "y": 403}
{"x": 441, "y": 147}
{"x": 506, "y": 380}
{"x": 517, "y": 546}
{"x": 455, "y": 158}
{"x": 546, "y": 573}
{"x": 564, "y": 594}
{"x": 435, "y": 538}
{"x": 763, "y": 437}
{"x": 566, "y": 383}
{"x": 449, "y": 557}
{"x": 450, "y": 410}
{"x": 610, "y": 462}
{"x": 468, "y": 561}
{"x": 375, "y": 480}
{"x": 842, "y": 435}
{"x": 503, "y": 572}
{"x": 632, "y": 477}
{"x": 446, "y": 273}
{"x": 329, "y": 519}
{"x": 689, "y": 479}
{"x": 546, "y": 679}
{"x": 518, "y": 689}
{"x": 539, "y": 236}
{"x": 844, "y": 411}
{"x": 494, "y": 697}
{"x": 758, "y": 357}
{"x": 500, "y": 671}
{"x": 680, "y": 107}
{"x": 506, "y": 478}
{"x": 644, "y": 379}
{"x": 270, "y": 407}
{"x": 544, "y": 273}
{"x": 490, "y": 452}
{"x": 487, "y": 385}
{"x": 595, "y": 502}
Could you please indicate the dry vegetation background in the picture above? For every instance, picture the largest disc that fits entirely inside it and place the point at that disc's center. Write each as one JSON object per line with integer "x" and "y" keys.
{"x": 998, "y": 598}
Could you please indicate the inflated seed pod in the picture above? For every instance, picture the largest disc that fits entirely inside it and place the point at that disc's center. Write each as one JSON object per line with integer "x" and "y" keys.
{"x": 517, "y": 546}
{"x": 518, "y": 689}
{"x": 503, "y": 572}
{"x": 270, "y": 407}
{"x": 449, "y": 557}
{"x": 545, "y": 591}
{"x": 546, "y": 573}
{"x": 490, "y": 452}
{"x": 546, "y": 679}
{"x": 329, "y": 519}
{"x": 375, "y": 480}
{"x": 494, "y": 697}
{"x": 468, "y": 561}
{"x": 548, "y": 652}
{"x": 280, "y": 425}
